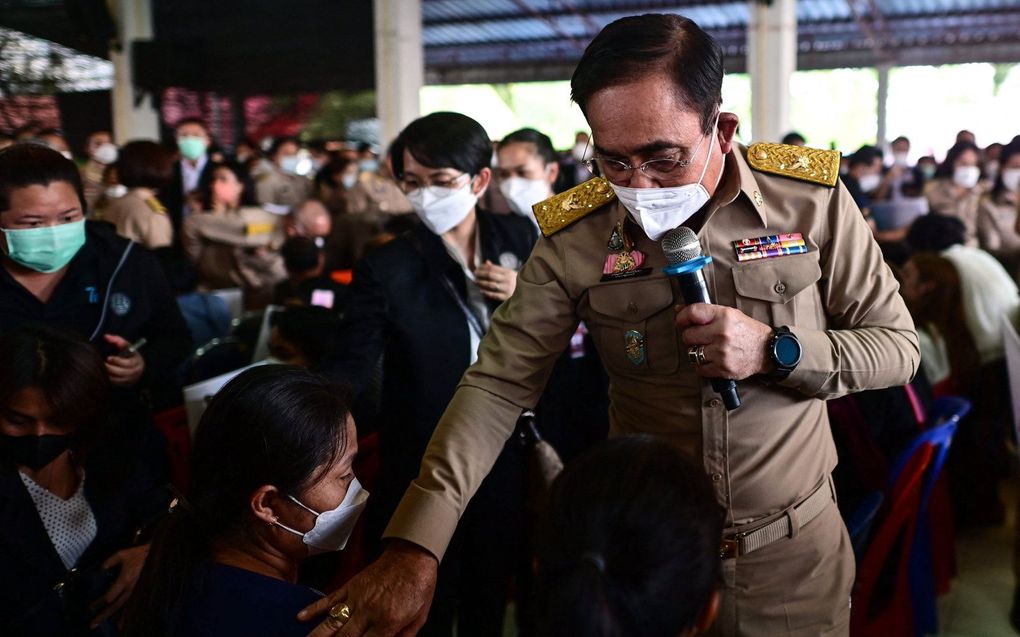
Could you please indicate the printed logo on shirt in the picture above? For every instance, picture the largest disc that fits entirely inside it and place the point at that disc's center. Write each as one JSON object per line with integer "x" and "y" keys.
{"x": 120, "y": 304}
{"x": 93, "y": 294}
{"x": 510, "y": 261}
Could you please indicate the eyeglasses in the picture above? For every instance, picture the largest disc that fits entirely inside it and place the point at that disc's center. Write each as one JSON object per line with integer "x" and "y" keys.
{"x": 660, "y": 168}
{"x": 412, "y": 184}
{"x": 664, "y": 168}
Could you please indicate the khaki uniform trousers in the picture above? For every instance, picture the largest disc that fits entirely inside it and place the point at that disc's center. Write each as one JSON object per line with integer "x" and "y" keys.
{"x": 798, "y": 586}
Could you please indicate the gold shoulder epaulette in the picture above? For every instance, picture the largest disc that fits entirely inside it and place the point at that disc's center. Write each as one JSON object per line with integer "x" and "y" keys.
{"x": 559, "y": 211}
{"x": 799, "y": 162}
{"x": 155, "y": 206}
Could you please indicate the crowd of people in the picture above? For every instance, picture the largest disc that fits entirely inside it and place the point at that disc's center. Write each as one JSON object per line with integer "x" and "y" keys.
{"x": 396, "y": 292}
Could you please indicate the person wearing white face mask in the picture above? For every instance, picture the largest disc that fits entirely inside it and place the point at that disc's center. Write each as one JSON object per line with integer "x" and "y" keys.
{"x": 526, "y": 171}
{"x": 956, "y": 189}
{"x": 997, "y": 212}
{"x": 283, "y": 188}
{"x": 102, "y": 153}
{"x": 272, "y": 483}
{"x": 792, "y": 324}
{"x": 864, "y": 175}
{"x": 424, "y": 301}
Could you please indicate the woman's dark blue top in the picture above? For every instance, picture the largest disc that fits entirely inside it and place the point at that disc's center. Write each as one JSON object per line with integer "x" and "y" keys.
{"x": 224, "y": 601}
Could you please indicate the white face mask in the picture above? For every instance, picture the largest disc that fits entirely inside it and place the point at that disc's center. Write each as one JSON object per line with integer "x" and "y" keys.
{"x": 441, "y": 209}
{"x": 116, "y": 191}
{"x": 1011, "y": 179}
{"x": 966, "y": 176}
{"x": 105, "y": 154}
{"x": 289, "y": 164}
{"x": 349, "y": 179}
{"x": 869, "y": 182}
{"x": 522, "y": 194}
{"x": 332, "y": 528}
{"x": 900, "y": 159}
{"x": 659, "y": 210}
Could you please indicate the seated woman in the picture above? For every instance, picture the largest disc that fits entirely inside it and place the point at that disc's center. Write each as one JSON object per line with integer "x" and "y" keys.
{"x": 957, "y": 189}
{"x": 630, "y": 544}
{"x": 144, "y": 168}
{"x": 71, "y": 506}
{"x": 233, "y": 243}
{"x": 997, "y": 214}
{"x": 271, "y": 485}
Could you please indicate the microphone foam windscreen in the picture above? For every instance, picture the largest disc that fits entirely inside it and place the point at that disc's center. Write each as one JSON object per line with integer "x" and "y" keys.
{"x": 680, "y": 245}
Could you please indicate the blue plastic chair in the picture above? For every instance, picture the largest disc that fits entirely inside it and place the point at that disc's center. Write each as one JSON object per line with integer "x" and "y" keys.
{"x": 944, "y": 417}
{"x": 860, "y": 521}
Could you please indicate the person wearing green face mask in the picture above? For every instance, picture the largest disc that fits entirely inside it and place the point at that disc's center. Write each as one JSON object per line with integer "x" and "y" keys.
{"x": 191, "y": 173}
{"x": 59, "y": 269}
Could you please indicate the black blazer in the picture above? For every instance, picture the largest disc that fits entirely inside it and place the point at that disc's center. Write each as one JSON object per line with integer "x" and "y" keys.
{"x": 38, "y": 596}
{"x": 399, "y": 307}
{"x": 173, "y": 198}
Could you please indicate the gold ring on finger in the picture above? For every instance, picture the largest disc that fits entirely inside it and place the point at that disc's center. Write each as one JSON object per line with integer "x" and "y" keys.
{"x": 340, "y": 613}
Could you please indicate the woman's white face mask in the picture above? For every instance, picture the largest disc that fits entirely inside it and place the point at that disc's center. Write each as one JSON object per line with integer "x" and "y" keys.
{"x": 441, "y": 209}
{"x": 523, "y": 193}
{"x": 332, "y": 528}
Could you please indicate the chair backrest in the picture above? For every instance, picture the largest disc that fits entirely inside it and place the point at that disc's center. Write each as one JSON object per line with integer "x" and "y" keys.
{"x": 943, "y": 419}
{"x": 875, "y": 611}
{"x": 1012, "y": 343}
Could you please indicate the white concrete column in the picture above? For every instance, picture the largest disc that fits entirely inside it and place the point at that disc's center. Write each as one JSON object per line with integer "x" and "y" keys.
{"x": 399, "y": 65}
{"x": 882, "y": 124}
{"x": 771, "y": 61}
{"x": 132, "y": 118}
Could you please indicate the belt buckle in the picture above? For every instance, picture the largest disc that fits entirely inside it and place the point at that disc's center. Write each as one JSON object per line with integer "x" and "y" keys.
{"x": 729, "y": 548}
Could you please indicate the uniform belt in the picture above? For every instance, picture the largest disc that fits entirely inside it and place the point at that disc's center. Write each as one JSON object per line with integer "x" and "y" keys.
{"x": 787, "y": 524}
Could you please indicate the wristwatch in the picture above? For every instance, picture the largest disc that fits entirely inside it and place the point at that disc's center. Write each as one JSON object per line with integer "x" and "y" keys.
{"x": 784, "y": 351}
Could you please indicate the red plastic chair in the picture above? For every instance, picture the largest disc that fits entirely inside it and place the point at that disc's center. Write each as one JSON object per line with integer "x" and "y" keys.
{"x": 173, "y": 424}
{"x": 882, "y": 599}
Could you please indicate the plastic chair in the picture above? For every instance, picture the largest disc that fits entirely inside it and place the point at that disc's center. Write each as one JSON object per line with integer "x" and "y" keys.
{"x": 945, "y": 415}
{"x": 882, "y": 598}
{"x": 860, "y": 522}
{"x": 173, "y": 424}
{"x": 218, "y": 356}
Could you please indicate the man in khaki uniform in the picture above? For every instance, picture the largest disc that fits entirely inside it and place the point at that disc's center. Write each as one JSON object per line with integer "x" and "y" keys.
{"x": 650, "y": 89}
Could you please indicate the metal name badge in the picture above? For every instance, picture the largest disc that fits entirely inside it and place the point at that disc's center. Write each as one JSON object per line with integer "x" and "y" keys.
{"x": 634, "y": 343}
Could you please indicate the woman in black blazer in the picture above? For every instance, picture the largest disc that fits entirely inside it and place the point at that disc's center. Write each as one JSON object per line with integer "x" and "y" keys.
{"x": 422, "y": 303}
{"x": 72, "y": 506}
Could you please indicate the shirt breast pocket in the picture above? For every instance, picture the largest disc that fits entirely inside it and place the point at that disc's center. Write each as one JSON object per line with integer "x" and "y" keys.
{"x": 634, "y": 326}
{"x": 781, "y": 291}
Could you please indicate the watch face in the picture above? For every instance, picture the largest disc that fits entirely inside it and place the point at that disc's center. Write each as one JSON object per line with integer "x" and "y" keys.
{"x": 787, "y": 350}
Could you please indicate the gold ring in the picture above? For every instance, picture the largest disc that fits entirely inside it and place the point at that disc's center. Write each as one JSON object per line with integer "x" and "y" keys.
{"x": 340, "y": 613}
{"x": 696, "y": 354}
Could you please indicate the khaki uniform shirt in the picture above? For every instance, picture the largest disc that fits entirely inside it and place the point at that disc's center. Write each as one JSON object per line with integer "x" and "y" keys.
{"x": 375, "y": 193}
{"x": 92, "y": 182}
{"x": 279, "y": 188}
{"x": 839, "y": 298}
{"x": 143, "y": 221}
{"x": 943, "y": 199}
{"x": 236, "y": 248}
{"x": 996, "y": 228}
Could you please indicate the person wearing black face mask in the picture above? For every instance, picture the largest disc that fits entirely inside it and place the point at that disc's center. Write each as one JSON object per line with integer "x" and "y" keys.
{"x": 71, "y": 507}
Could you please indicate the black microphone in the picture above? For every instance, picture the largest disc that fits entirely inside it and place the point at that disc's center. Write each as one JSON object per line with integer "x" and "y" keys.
{"x": 685, "y": 262}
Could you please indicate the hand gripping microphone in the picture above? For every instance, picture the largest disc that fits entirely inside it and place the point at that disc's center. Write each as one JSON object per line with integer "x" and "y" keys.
{"x": 685, "y": 262}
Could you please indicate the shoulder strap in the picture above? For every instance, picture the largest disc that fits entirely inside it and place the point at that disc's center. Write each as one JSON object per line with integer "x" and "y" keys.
{"x": 797, "y": 162}
{"x": 559, "y": 211}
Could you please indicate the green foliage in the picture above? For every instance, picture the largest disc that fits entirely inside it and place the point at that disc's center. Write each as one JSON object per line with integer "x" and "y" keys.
{"x": 335, "y": 110}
